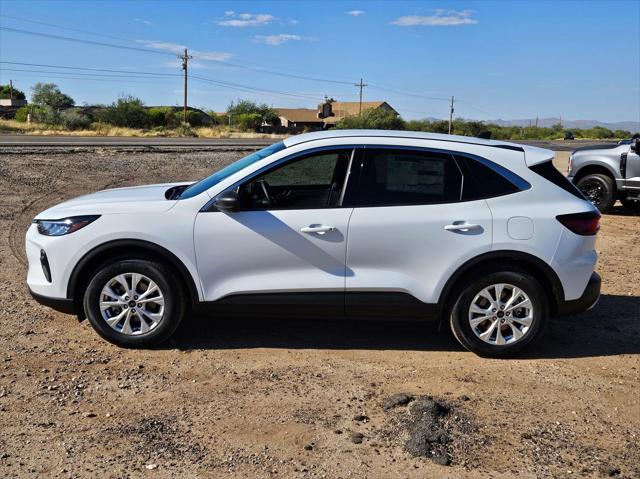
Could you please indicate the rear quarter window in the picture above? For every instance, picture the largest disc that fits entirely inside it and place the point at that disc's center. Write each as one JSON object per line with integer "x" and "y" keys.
{"x": 485, "y": 179}
{"x": 551, "y": 173}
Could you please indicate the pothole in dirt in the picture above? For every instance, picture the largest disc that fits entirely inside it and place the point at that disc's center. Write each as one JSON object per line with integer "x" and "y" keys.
{"x": 432, "y": 428}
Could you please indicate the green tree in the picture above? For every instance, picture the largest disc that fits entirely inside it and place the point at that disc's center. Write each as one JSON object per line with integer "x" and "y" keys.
{"x": 246, "y": 107}
{"x": 373, "y": 118}
{"x": 48, "y": 94}
{"x": 248, "y": 121}
{"x": 5, "y": 93}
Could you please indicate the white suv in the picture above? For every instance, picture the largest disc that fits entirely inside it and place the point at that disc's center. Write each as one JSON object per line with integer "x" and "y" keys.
{"x": 485, "y": 235}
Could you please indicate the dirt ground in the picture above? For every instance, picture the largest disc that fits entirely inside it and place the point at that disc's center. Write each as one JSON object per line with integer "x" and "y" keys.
{"x": 334, "y": 399}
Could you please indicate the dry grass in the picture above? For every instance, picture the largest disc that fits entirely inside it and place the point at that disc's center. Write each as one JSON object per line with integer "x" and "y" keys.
{"x": 101, "y": 129}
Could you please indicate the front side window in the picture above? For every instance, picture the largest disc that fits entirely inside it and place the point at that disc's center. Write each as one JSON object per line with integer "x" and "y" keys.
{"x": 396, "y": 177}
{"x": 315, "y": 180}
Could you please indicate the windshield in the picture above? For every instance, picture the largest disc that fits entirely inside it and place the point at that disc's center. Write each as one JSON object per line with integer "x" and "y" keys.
{"x": 218, "y": 176}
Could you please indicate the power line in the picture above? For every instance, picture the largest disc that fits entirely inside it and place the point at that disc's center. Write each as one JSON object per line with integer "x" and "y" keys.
{"x": 62, "y": 28}
{"x": 127, "y": 75}
{"x": 80, "y": 40}
{"x": 66, "y": 67}
{"x": 237, "y": 86}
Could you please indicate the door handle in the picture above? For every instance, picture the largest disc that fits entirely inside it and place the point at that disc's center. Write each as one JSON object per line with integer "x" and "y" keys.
{"x": 459, "y": 226}
{"x": 320, "y": 229}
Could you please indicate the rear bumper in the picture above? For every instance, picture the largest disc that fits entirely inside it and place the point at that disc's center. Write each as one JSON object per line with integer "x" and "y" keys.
{"x": 63, "y": 305}
{"x": 585, "y": 302}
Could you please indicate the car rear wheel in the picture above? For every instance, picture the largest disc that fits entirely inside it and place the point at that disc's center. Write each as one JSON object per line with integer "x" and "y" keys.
{"x": 134, "y": 303}
{"x": 499, "y": 314}
{"x": 599, "y": 189}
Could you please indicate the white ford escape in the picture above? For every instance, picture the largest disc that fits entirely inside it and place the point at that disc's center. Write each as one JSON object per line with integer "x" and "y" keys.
{"x": 485, "y": 235}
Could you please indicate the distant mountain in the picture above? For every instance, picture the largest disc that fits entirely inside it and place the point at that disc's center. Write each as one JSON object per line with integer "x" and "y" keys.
{"x": 632, "y": 126}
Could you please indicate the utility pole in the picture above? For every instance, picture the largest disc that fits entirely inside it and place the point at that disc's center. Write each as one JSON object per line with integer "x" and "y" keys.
{"x": 185, "y": 64}
{"x": 451, "y": 114}
{"x": 361, "y": 86}
{"x": 11, "y": 91}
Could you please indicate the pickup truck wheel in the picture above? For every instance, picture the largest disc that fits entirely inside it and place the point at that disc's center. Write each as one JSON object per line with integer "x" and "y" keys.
{"x": 499, "y": 314}
{"x": 134, "y": 302}
{"x": 599, "y": 189}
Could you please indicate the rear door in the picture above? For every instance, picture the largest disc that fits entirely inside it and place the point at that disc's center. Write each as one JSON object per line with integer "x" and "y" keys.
{"x": 410, "y": 228}
{"x": 632, "y": 170}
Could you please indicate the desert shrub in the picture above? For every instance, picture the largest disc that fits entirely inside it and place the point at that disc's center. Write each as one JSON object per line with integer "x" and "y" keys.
{"x": 163, "y": 116}
{"x": 45, "y": 114}
{"x": 22, "y": 113}
{"x": 74, "y": 120}
{"x": 378, "y": 119}
{"x": 127, "y": 111}
{"x": 248, "y": 121}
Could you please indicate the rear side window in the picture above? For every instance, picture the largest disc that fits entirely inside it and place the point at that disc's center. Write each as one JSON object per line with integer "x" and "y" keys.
{"x": 393, "y": 177}
{"x": 550, "y": 173}
{"x": 483, "y": 179}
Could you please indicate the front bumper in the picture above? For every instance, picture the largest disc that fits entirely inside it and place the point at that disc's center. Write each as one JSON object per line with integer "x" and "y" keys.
{"x": 63, "y": 305}
{"x": 585, "y": 302}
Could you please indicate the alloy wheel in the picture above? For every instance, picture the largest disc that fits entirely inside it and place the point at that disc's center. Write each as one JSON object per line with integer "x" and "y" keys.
{"x": 501, "y": 314}
{"x": 131, "y": 303}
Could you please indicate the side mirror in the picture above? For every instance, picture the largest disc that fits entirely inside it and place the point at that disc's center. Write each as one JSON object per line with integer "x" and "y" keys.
{"x": 635, "y": 146}
{"x": 227, "y": 201}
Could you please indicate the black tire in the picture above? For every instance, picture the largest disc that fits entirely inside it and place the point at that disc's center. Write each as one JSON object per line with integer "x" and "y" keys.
{"x": 459, "y": 320}
{"x": 175, "y": 303}
{"x": 600, "y": 189}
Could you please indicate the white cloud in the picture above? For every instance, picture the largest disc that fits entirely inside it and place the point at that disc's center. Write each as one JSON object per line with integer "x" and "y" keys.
{"x": 440, "y": 18}
{"x": 355, "y": 13}
{"x": 275, "y": 40}
{"x": 178, "y": 49}
{"x": 233, "y": 19}
{"x": 142, "y": 20}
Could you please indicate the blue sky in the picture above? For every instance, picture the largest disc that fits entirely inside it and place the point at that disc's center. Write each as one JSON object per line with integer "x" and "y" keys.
{"x": 575, "y": 59}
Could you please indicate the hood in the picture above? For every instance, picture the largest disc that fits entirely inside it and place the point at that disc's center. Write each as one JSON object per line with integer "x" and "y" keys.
{"x": 137, "y": 199}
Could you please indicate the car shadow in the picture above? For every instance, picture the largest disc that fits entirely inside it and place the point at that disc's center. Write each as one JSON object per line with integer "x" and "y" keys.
{"x": 611, "y": 328}
{"x": 619, "y": 210}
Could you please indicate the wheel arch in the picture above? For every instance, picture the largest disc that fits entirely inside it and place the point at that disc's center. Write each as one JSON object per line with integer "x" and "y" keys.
{"x": 126, "y": 248}
{"x": 592, "y": 169}
{"x": 498, "y": 260}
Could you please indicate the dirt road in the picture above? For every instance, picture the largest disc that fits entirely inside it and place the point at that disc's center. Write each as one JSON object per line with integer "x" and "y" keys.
{"x": 248, "y": 398}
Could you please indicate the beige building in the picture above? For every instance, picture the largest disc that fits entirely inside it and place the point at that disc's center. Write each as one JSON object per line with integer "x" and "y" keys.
{"x": 326, "y": 115}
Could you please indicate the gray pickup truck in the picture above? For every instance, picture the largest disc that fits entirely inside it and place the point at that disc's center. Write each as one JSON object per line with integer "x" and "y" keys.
{"x": 607, "y": 173}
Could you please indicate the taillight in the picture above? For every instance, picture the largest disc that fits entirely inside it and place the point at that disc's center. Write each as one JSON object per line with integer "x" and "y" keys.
{"x": 585, "y": 224}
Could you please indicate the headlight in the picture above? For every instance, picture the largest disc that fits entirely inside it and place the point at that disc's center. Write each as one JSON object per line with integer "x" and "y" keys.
{"x": 64, "y": 226}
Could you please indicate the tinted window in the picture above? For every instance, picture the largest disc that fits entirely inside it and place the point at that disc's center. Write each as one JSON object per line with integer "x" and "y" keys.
{"x": 484, "y": 180}
{"x": 550, "y": 173}
{"x": 407, "y": 177}
{"x": 316, "y": 180}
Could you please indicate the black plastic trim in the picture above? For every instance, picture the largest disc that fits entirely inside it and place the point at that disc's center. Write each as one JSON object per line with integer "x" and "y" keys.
{"x": 63, "y": 305}
{"x": 588, "y": 299}
{"x": 364, "y": 305}
{"x": 496, "y": 257}
{"x": 44, "y": 262}
{"x": 123, "y": 245}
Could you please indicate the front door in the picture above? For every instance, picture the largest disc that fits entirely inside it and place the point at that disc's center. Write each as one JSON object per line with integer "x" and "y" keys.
{"x": 288, "y": 237}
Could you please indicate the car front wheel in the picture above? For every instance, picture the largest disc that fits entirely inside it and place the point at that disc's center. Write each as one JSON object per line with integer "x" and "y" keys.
{"x": 134, "y": 302}
{"x": 499, "y": 314}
